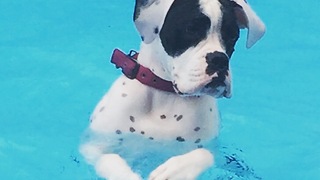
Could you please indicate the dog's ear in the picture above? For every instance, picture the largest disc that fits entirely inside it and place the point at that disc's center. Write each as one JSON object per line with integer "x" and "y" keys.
{"x": 247, "y": 18}
{"x": 149, "y": 16}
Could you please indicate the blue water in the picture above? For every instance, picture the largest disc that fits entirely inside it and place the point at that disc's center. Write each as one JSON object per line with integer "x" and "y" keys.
{"x": 54, "y": 67}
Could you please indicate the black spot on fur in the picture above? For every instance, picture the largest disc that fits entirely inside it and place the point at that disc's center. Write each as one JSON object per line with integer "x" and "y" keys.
{"x": 185, "y": 26}
{"x": 197, "y": 129}
{"x": 151, "y": 138}
{"x": 118, "y": 132}
{"x": 197, "y": 141}
{"x": 156, "y": 30}
{"x": 179, "y": 117}
{"x": 132, "y": 129}
{"x": 132, "y": 119}
{"x": 101, "y": 109}
{"x": 200, "y": 146}
{"x": 163, "y": 116}
{"x": 142, "y": 132}
{"x": 180, "y": 139}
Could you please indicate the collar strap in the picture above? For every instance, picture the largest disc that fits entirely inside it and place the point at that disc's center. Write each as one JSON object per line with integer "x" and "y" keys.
{"x": 133, "y": 70}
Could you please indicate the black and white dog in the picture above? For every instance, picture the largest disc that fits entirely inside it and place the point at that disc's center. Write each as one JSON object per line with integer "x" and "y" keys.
{"x": 186, "y": 47}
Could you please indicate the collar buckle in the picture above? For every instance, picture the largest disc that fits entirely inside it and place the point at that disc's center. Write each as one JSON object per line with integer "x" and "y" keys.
{"x": 130, "y": 67}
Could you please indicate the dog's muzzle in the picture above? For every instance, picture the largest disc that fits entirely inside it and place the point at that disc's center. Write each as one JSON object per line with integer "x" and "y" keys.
{"x": 218, "y": 87}
{"x": 219, "y": 82}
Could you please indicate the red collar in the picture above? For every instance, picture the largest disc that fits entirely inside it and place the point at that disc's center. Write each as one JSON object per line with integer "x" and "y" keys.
{"x": 133, "y": 70}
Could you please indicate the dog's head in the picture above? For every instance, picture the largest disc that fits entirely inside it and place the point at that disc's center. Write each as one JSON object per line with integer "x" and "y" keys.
{"x": 197, "y": 37}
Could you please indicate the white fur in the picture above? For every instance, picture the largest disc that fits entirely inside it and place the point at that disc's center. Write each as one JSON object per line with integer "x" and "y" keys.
{"x": 116, "y": 170}
{"x": 184, "y": 167}
{"x": 152, "y": 17}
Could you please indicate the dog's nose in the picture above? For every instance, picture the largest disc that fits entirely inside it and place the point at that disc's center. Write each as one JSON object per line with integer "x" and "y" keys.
{"x": 217, "y": 61}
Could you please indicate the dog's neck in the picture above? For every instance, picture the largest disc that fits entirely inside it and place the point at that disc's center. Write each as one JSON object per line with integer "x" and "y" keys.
{"x": 152, "y": 56}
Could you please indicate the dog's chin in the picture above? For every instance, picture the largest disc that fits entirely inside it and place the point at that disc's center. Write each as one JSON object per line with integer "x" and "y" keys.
{"x": 218, "y": 88}
{"x": 218, "y": 92}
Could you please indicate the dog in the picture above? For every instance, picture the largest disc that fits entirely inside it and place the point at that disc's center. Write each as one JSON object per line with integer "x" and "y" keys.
{"x": 165, "y": 102}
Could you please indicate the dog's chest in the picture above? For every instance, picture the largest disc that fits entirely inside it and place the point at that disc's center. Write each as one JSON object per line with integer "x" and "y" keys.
{"x": 176, "y": 125}
{"x": 155, "y": 117}
{"x": 170, "y": 126}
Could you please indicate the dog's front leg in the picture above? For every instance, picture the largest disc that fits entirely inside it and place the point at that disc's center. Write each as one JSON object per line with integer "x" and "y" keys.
{"x": 184, "y": 167}
{"x": 108, "y": 166}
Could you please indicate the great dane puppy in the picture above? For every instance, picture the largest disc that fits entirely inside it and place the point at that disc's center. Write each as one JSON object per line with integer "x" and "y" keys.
{"x": 187, "y": 43}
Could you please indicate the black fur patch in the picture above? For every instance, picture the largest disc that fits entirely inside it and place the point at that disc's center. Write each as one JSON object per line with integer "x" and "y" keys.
{"x": 179, "y": 117}
{"x": 197, "y": 141}
{"x": 180, "y": 139}
{"x": 132, "y": 119}
{"x": 184, "y": 27}
{"x": 132, "y": 129}
{"x": 229, "y": 26}
{"x": 163, "y": 116}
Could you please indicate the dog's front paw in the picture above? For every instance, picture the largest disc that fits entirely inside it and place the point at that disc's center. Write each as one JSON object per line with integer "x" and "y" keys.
{"x": 184, "y": 167}
{"x": 113, "y": 167}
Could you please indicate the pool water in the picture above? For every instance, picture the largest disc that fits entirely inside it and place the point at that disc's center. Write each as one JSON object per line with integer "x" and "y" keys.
{"x": 54, "y": 67}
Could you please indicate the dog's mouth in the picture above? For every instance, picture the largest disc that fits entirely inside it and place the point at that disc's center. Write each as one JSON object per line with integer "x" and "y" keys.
{"x": 217, "y": 88}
